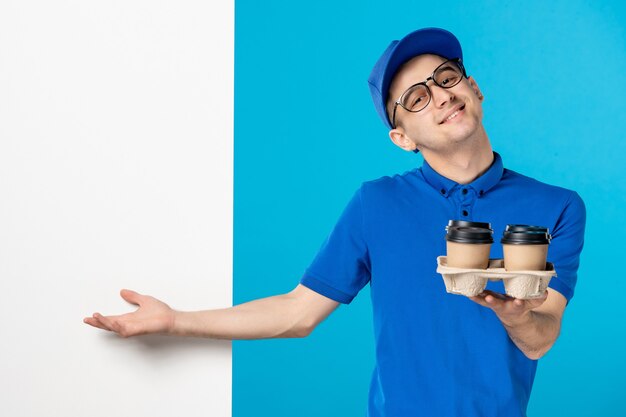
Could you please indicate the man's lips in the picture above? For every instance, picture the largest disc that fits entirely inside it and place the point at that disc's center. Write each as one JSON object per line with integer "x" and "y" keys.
{"x": 452, "y": 112}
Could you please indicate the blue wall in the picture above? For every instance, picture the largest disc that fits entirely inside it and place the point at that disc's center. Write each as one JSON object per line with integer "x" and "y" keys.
{"x": 306, "y": 136}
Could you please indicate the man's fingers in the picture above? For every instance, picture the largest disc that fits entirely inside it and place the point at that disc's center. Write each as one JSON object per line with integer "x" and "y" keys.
{"x": 94, "y": 322}
{"x": 485, "y": 299}
{"x": 97, "y": 318}
{"x": 108, "y": 322}
{"x": 131, "y": 296}
{"x": 498, "y": 301}
{"x": 497, "y": 295}
{"x": 493, "y": 300}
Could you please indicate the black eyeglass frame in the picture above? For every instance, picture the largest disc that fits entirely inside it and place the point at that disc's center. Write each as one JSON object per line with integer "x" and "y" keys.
{"x": 457, "y": 61}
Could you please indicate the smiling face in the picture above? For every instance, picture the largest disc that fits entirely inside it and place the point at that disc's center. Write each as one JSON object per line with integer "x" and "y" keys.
{"x": 452, "y": 118}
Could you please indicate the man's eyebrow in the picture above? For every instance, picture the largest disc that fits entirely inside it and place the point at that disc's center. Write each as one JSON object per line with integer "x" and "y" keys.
{"x": 448, "y": 66}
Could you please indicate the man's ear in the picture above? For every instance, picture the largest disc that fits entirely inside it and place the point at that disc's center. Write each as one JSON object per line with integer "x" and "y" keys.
{"x": 474, "y": 85}
{"x": 400, "y": 139}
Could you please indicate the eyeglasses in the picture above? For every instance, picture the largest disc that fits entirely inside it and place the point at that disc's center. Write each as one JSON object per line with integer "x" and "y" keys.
{"x": 418, "y": 96}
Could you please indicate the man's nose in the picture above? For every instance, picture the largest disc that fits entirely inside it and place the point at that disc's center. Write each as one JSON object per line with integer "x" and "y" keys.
{"x": 441, "y": 96}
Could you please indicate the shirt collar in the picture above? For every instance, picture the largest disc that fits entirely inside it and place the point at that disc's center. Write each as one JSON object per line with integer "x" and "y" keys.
{"x": 481, "y": 184}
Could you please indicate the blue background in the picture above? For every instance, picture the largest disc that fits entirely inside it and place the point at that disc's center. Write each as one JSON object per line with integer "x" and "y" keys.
{"x": 307, "y": 135}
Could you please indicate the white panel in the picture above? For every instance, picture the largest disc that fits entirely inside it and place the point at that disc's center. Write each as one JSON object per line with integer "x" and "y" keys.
{"x": 116, "y": 171}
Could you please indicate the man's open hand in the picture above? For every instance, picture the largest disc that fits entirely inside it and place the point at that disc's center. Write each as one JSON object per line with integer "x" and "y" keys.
{"x": 152, "y": 316}
{"x": 511, "y": 311}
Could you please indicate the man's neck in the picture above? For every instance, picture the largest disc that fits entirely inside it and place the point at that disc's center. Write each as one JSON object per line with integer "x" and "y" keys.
{"x": 464, "y": 165}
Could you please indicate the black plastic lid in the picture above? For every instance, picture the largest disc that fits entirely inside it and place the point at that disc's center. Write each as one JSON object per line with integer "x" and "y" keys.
{"x": 469, "y": 235}
{"x": 528, "y": 237}
{"x": 525, "y": 228}
{"x": 465, "y": 223}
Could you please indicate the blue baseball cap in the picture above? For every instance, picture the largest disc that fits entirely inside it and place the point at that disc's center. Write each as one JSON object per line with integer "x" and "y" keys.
{"x": 422, "y": 41}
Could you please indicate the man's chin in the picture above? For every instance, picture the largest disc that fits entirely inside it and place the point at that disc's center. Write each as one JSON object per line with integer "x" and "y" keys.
{"x": 447, "y": 145}
{"x": 461, "y": 133}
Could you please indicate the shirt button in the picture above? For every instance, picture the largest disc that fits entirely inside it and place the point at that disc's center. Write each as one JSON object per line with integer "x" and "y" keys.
{"x": 443, "y": 191}
{"x": 465, "y": 213}
{"x": 464, "y": 191}
{"x": 481, "y": 192}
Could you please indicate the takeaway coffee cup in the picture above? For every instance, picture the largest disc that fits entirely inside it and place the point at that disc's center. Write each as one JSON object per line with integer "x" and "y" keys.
{"x": 525, "y": 247}
{"x": 468, "y": 246}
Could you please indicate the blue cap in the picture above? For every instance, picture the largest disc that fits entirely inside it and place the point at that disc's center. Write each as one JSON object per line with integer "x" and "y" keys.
{"x": 422, "y": 41}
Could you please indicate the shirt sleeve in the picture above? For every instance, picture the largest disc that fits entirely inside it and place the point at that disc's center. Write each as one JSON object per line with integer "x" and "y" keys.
{"x": 341, "y": 267}
{"x": 566, "y": 246}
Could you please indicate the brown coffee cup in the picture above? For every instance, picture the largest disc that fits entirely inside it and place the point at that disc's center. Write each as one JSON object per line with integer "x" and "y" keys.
{"x": 468, "y": 247}
{"x": 525, "y": 247}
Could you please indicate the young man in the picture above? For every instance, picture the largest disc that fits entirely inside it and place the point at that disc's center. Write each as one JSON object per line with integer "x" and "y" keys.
{"x": 436, "y": 354}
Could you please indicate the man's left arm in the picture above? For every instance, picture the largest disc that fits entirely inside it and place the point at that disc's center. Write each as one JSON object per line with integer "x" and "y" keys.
{"x": 533, "y": 325}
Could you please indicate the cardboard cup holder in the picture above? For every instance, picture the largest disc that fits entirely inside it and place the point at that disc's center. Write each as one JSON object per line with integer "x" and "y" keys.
{"x": 518, "y": 284}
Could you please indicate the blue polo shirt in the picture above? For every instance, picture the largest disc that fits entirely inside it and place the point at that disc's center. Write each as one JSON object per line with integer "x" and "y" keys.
{"x": 439, "y": 354}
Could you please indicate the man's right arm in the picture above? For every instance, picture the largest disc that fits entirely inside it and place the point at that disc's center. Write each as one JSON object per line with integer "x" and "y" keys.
{"x": 294, "y": 314}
